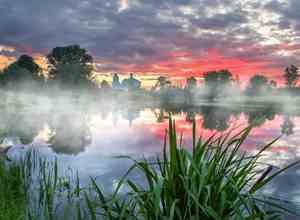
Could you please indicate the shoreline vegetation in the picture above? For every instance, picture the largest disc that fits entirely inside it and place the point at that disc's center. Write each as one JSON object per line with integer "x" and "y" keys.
{"x": 212, "y": 181}
{"x": 70, "y": 69}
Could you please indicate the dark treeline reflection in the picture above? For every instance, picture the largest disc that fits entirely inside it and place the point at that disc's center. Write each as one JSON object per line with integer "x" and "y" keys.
{"x": 69, "y": 125}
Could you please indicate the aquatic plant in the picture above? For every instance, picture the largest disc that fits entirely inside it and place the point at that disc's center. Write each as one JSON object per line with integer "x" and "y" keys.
{"x": 213, "y": 181}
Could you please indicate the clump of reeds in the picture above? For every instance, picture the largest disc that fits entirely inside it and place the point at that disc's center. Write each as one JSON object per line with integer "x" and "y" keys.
{"x": 213, "y": 181}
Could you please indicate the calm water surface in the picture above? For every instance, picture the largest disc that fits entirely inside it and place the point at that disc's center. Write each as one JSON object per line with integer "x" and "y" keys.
{"x": 88, "y": 140}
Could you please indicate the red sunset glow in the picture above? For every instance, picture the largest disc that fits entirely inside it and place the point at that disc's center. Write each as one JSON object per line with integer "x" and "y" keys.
{"x": 180, "y": 40}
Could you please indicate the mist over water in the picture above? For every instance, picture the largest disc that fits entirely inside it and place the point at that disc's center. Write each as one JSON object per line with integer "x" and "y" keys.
{"x": 85, "y": 131}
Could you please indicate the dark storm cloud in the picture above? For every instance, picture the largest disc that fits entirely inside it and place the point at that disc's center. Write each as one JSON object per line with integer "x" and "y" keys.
{"x": 289, "y": 12}
{"x": 220, "y": 21}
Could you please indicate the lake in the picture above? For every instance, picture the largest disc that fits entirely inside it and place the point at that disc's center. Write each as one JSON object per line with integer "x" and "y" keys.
{"x": 87, "y": 136}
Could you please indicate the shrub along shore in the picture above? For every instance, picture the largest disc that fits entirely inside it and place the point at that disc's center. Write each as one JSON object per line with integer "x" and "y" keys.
{"x": 212, "y": 181}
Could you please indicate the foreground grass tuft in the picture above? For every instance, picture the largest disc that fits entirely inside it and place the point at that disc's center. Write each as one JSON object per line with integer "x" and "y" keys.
{"x": 214, "y": 181}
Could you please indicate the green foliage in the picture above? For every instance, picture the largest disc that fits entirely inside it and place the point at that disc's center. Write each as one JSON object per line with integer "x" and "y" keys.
{"x": 216, "y": 83}
{"x": 28, "y": 63}
{"x": 70, "y": 66}
{"x": 214, "y": 181}
{"x": 24, "y": 70}
{"x": 12, "y": 193}
{"x": 69, "y": 55}
{"x": 258, "y": 85}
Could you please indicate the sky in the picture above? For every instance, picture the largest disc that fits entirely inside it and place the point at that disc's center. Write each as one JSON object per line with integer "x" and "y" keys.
{"x": 176, "y": 38}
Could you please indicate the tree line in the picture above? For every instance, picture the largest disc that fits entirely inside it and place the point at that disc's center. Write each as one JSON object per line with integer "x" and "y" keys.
{"x": 72, "y": 66}
{"x": 68, "y": 66}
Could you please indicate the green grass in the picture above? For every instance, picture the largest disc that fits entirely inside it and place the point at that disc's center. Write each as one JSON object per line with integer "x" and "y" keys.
{"x": 12, "y": 192}
{"x": 214, "y": 180}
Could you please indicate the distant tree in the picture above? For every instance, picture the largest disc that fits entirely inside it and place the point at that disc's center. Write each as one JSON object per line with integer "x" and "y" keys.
{"x": 257, "y": 85}
{"x": 104, "y": 85}
{"x": 70, "y": 66}
{"x": 161, "y": 84}
{"x": 291, "y": 76}
{"x": 273, "y": 84}
{"x": 191, "y": 83}
{"x": 116, "y": 82}
{"x": 216, "y": 83}
{"x": 131, "y": 83}
{"x": 22, "y": 70}
{"x": 28, "y": 63}
{"x": 189, "y": 90}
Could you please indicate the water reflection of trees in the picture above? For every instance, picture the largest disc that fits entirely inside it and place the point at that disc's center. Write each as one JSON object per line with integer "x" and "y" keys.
{"x": 15, "y": 122}
{"x": 219, "y": 117}
{"x": 216, "y": 118}
{"x": 258, "y": 116}
{"x": 70, "y": 126}
{"x": 71, "y": 133}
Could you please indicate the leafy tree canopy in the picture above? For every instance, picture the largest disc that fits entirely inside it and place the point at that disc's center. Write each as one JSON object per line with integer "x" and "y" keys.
{"x": 291, "y": 76}
{"x": 258, "y": 84}
{"x": 217, "y": 82}
{"x": 72, "y": 54}
{"x": 258, "y": 81}
{"x": 28, "y": 63}
{"x": 217, "y": 77}
{"x": 23, "y": 69}
{"x": 70, "y": 65}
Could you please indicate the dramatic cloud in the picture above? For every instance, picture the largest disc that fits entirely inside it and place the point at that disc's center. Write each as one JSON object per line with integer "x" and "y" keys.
{"x": 175, "y": 37}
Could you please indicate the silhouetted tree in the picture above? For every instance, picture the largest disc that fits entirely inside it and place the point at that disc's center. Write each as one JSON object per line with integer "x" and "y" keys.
{"x": 258, "y": 84}
{"x": 216, "y": 83}
{"x": 105, "y": 85}
{"x": 291, "y": 76}
{"x": 161, "y": 84}
{"x": 131, "y": 83}
{"x": 116, "y": 82}
{"x": 27, "y": 62}
{"x": 191, "y": 83}
{"x": 189, "y": 90}
{"x": 23, "y": 70}
{"x": 70, "y": 66}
